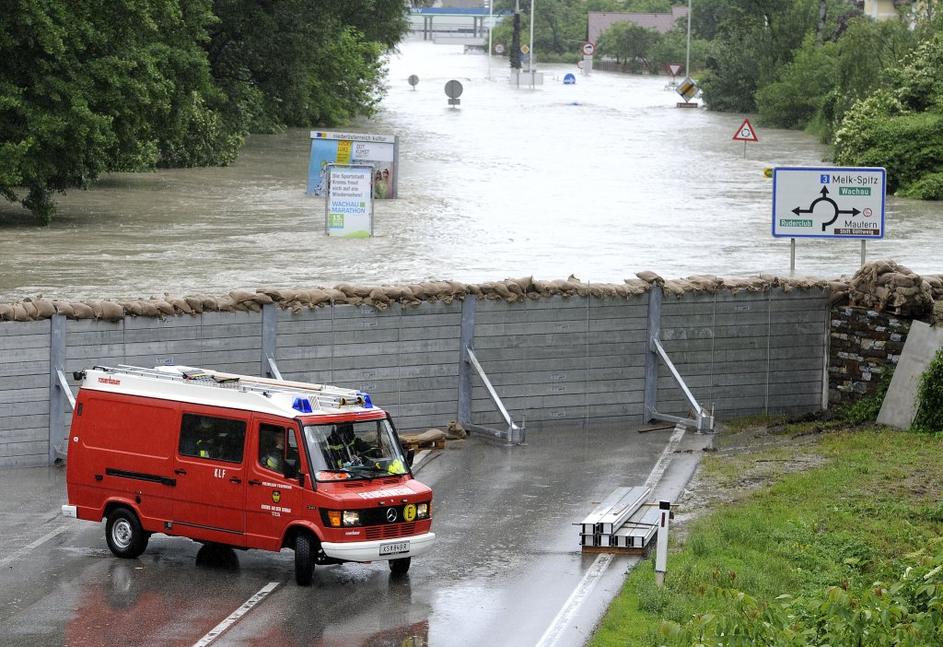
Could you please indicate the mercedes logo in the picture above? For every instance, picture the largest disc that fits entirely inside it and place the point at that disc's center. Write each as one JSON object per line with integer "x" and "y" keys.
{"x": 391, "y": 514}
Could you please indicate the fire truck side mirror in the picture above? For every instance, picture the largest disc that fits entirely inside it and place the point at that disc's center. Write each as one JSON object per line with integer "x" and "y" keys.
{"x": 301, "y": 480}
{"x": 410, "y": 455}
{"x": 290, "y": 470}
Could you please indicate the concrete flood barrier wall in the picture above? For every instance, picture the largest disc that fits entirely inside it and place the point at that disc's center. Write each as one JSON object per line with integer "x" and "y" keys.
{"x": 572, "y": 360}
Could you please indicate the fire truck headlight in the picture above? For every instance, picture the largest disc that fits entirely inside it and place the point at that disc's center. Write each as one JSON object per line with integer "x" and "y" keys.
{"x": 422, "y": 511}
{"x": 351, "y": 518}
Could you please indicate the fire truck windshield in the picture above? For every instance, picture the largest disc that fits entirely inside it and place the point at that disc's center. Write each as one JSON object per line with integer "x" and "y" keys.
{"x": 354, "y": 450}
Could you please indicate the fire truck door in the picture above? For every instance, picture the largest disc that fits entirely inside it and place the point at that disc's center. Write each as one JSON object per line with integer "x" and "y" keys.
{"x": 210, "y": 473}
{"x": 273, "y": 499}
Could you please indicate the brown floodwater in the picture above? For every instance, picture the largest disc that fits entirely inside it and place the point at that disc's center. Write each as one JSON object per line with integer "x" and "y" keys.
{"x": 600, "y": 179}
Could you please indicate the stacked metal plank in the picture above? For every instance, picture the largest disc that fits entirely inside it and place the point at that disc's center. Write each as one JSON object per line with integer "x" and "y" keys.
{"x": 622, "y": 520}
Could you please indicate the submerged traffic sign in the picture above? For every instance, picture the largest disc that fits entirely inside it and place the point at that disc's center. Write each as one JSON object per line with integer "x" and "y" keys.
{"x": 687, "y": 89}
{"x": 829, "y": 202}
{"x": 745, "y": 133}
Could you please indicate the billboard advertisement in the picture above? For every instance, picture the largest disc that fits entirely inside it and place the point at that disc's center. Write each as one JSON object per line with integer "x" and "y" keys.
{"x": 348, "y": 210}
{"x": 343, "y": 148}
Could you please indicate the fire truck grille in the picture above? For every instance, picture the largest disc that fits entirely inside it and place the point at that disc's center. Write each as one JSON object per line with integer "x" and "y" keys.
{"x": 391, "y": 531}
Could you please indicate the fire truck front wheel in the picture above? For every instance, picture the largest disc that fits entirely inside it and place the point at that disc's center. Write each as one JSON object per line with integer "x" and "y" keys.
{"x": 304, "y": 558}
{"x": 400, "y": 566}
{"x": 124, "y": 534}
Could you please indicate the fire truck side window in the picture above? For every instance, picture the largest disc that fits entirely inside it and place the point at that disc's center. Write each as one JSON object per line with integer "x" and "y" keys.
{"x": 218, "y": 439}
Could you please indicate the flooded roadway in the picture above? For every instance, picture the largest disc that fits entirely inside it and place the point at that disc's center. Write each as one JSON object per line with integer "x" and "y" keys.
{"x": 600, "y": 179}
{"x": 505, "y": 569}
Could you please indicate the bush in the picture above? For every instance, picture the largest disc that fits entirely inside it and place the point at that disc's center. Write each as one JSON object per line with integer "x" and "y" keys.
{"x": 909, "y": 145}
{"x": 929, "y": 416}
{"x": 929, "y": 187}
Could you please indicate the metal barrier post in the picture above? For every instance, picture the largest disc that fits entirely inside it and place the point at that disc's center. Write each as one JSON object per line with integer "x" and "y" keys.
{"x": 651, "y": 358}
{"x": 59, "y": 392}
{"x": 464, "y": 366}
{"x": 269, "y": 341}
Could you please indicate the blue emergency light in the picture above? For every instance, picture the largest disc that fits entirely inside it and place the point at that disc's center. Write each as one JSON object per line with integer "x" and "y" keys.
{"x": 367, "y": 403}
{"x": 301, "y": 404}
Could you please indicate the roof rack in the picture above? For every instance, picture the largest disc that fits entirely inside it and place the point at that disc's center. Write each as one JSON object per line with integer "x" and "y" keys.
{"x": 322, "y": 396}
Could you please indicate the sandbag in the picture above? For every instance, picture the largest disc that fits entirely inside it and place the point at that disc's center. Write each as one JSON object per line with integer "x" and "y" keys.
{"x": 64, "y": 308}
{"x": 82, "y": 310}
{"x": 111, "y": 311}
{"x": 44, "y": 308}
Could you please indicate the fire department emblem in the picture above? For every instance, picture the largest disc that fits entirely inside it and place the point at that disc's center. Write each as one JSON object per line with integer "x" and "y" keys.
{"x": 276, "y": 496}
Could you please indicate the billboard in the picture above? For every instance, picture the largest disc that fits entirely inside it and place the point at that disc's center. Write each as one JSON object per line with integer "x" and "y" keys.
{"x": 348, "y": 210}
{"x": 379, "y": 151}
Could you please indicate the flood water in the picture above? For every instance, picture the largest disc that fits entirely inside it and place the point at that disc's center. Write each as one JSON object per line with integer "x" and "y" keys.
{"x": 600, "y": 179}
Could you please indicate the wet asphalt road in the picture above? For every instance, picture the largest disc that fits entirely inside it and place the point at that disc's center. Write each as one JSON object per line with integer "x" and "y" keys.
{"x": 506, "y": 568}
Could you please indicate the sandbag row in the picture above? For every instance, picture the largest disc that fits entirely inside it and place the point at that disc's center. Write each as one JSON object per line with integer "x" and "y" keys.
{"x": 888, "y": 286}
{"x": 381, "y": 297}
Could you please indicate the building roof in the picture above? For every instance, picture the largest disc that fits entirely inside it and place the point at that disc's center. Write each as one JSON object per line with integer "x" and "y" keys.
{"x": 599, "y": 21}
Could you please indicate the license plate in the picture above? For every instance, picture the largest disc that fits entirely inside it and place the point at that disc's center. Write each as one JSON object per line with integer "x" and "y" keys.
{"x": 394, "y": 549}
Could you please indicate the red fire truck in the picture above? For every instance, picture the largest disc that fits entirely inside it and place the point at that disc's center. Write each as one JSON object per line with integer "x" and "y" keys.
{"x": 246, "y": 462}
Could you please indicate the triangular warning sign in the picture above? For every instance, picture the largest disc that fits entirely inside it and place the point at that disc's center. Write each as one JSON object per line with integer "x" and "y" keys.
{"x": 745, "y": 132}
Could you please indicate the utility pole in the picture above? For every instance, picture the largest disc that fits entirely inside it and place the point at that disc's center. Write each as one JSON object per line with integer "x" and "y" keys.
{"x": 687, "y": 60}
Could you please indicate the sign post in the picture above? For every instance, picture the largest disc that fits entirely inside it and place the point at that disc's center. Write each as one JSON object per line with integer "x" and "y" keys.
{"x": 830, "y": 202}
{"x": 348, "y": 210}
{"x": 745, "y": 133}
{"x": 661, "y": 542}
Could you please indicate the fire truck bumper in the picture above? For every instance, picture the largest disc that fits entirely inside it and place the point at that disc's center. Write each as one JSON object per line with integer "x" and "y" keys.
{"x": 370, "y": 551}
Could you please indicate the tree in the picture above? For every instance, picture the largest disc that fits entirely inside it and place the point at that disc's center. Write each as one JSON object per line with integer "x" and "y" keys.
{"x": 86, "y": 87}
{"x": 629, "y": 43}
{"x": 288, "y": 63}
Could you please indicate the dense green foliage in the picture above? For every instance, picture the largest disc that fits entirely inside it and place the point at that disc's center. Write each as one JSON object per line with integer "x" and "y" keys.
{"x": 901, "y": 127}
{"x": 871, "y": 88}
{"x": 846, "y": 553}
{"x": 118, "y": 85}
{"x": 929, "y": 417}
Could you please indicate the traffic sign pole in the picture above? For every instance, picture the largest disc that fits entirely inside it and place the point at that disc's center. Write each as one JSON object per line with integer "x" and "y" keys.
{"x": 792, "y": 255}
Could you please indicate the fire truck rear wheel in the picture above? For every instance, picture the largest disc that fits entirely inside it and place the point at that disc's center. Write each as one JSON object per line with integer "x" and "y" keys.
{"x": 304, "y": 559}
{"x": 400, "y": 566}
{"x": 124, "y": 534}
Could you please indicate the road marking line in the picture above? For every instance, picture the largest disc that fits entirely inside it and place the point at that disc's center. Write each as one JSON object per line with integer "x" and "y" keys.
{"x": 27, "y": 548}
{"x": 573, "y": 603}
{"x": 665, "y": 458}
{"x": 234, "y": 617}
{"x": 602, "y": 562}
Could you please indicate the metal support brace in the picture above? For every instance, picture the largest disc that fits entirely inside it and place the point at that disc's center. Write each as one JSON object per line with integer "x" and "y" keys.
{"x": 702, "y": 421}
{"x": 59, "y": 391}
{"x": 467, "y": 362}
{"x": 514, "y": 434}
{"x": 269, "y": 341}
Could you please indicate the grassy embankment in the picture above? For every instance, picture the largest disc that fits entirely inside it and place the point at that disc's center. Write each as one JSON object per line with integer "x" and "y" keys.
{"x": 864, "y": 499}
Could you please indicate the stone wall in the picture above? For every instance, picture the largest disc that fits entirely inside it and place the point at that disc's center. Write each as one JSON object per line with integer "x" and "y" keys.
{"x": 865, "y": 345}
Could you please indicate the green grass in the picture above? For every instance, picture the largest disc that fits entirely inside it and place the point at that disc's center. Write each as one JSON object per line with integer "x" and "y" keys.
{"x": 847, "y": 522}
